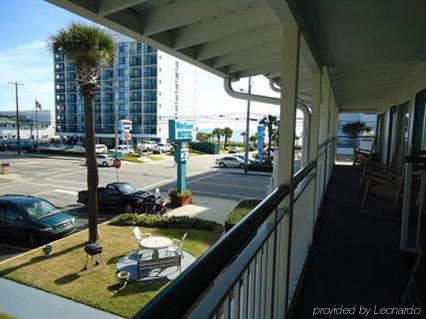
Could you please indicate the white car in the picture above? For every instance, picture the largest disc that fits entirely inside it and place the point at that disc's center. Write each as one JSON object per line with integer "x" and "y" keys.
{"x": 101, "y": 148}
{"x": 241, "y": 157}
{"x": 104, "y": 160}
{"x": 123, "y": 149}
{"x": 230, "y": 161}
{"x": 163, "y": 147}
{"x": 146, "y": 146}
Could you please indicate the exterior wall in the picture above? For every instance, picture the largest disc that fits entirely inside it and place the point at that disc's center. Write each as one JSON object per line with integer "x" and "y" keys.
{"x": 144, "y": 85}
{"x": 28, "y": 125}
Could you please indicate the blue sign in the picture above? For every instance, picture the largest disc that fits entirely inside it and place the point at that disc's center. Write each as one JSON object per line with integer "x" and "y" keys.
{"x": 260, "y": 135}
{"x": 180, "y": 131}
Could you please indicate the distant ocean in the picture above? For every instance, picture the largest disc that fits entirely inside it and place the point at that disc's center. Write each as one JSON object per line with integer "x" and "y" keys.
{"x": 236, "y": 136}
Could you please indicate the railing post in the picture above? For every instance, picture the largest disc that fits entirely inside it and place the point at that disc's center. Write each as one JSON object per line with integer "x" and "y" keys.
{"x": 290, "y": 73}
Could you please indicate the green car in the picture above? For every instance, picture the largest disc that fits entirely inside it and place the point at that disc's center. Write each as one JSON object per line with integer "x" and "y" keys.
{"x": 33, "y": 218}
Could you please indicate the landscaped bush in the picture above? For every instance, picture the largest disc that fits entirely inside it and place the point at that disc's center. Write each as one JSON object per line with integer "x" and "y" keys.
{"x": 134, "y": 158}
{"x": 260, "y": 167}
{"x": 158, "y": 221}
{"x": 241, "y": 210}
{"x": 205, "y": 147}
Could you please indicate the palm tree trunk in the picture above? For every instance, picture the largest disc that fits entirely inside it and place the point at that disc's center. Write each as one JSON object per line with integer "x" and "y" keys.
{"x": 269, "y": 141}
{"x": 92, "y": 167}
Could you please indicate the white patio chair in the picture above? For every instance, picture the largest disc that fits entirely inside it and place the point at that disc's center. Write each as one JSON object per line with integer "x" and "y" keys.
{"x": 139, "y": 236}
{"x": 177, "y": 248}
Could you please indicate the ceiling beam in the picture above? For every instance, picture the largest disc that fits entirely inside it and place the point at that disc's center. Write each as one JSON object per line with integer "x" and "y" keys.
{"x": 246, "y": 40}
{"x": 261, "y": 51}
{"x": 250, "y": 64}
{"x": 264, "y": 69}
{"x": 107, "y": 7}
{"x": 254, "y": 16}
{"x": 288, "y": 14}
{"x": 184, "y": 12}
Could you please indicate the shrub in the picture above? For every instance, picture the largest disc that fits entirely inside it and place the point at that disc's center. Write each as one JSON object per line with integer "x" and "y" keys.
{"x": 260, "y": 167}
{"x": 161, "y": 221}
{"x": 131, "y": 158}
{"x": 174, "y": 193}
{"x": 241, "y": 210}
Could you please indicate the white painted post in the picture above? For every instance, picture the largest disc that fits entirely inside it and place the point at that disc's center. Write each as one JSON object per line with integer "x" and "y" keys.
{"x": 289, "y": 75}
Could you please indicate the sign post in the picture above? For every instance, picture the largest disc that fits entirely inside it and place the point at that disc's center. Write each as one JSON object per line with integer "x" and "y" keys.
{"x": 181, "y": 133}
{"x": 117, "y": 164}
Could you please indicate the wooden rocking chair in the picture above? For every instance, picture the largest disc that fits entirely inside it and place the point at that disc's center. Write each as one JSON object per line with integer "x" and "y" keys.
{"x": 388, "y": 191}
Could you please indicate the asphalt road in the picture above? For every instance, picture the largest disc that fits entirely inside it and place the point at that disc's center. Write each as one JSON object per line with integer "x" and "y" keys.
{"x": 59, "y": 180}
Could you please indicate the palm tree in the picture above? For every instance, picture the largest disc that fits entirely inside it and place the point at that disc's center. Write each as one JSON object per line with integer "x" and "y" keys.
{"x": 227, "y": 133}
{"x": 91, "y": 48}
{"x": 218, "y": 132}
{"x": 253, "y": 139}
{"x": 353, "y": 129}
{"x": 270, "y": 122}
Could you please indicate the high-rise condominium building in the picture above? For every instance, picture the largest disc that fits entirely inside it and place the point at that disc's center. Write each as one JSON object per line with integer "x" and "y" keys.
{"x": 144, "y": 85}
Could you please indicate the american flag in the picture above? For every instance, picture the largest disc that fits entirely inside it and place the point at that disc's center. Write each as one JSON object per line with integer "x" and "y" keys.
{"x": 37, "y": 105}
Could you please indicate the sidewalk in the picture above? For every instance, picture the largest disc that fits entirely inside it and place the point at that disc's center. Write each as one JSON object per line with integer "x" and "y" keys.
{"x": 25, "y": 302}
{"x": 206, "y": 207}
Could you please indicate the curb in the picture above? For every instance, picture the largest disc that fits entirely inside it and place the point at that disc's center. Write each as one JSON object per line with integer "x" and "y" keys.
{"x": 80, "y": 159}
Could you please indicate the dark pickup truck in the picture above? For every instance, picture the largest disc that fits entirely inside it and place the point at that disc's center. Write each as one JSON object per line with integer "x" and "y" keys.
{"x": 122, "y": 195}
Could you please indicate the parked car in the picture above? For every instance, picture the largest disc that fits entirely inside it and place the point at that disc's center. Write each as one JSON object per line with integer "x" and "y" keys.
{"x": 33, "y": 218}
{"x": 234, "y": 149}
{"x": 162, "y": 148}
{"x": 123, "y": 149}
{"x": 241, "y": 157}
{"x": 122, "y": 195}
{"x": 101, "y": 148}
{"x": 230, "y": 161}
{"x": 146, "y": 146}
{"x": 104, "y": 160}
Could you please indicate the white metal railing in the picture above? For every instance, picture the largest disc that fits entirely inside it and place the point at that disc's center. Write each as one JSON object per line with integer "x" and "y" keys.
{"x": 254, "y": 270}
{"x": 346, "y": 146}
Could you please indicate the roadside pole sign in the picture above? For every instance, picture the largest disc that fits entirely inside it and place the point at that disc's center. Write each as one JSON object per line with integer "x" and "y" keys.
{"x": 117, "y": 155}
{"x": 124, "y": 128}
{"x": 116, "y": 163}
{"x": 260, "y": 136}
{"x": 181, "y": 133}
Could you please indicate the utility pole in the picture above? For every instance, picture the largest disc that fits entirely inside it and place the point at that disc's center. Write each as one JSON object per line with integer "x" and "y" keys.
{"x": 246, "y": 146}
{"x": 18, "y": 136}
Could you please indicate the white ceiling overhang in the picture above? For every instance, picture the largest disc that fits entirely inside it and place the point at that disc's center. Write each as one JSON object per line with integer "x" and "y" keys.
{"x": 369, "y": 47}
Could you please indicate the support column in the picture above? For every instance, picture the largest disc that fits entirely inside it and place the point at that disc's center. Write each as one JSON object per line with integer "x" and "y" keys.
{"x": 314, "y": 138}
{"x": 289, "y": 76}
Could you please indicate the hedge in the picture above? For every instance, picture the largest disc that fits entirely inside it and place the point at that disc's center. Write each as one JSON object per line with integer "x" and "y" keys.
{"x": 205, "y": 147}
{"x": 161, "y": 221}
{"x": 242, "y": 209}
{"x": 260, "y": 167}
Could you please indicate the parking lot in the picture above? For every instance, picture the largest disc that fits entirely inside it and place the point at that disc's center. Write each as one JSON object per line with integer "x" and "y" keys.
{"x": 59, "y": 180}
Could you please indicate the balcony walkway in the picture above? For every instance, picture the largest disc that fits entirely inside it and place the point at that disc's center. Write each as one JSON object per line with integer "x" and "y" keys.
{"x": 355, "y": 259}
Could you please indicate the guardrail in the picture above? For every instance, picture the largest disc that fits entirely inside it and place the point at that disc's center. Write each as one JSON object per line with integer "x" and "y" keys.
{"x": 247, "y": 273}
{"x": 347, "y": 145}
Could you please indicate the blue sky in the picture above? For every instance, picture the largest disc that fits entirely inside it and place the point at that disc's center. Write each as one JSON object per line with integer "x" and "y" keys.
{"x": 24, "y": 57}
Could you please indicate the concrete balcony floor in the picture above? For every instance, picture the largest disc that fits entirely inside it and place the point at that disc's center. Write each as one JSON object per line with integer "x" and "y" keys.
{"x": 355, "y": 259}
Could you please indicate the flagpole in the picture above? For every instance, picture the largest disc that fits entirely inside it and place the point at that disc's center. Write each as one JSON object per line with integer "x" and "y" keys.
{"x": 36, "y": 124}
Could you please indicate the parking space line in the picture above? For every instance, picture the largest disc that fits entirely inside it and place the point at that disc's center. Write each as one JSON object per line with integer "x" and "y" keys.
{"x": 65, "y": 192}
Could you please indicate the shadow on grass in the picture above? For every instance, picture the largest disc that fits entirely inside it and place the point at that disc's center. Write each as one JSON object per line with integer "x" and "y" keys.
{"x": 40, "y": 258}
{"x": 137, "y": 287}
{"x": 67, "y": 279}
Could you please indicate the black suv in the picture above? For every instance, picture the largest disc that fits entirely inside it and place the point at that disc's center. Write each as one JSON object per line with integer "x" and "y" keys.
{"x": 33, "y": 218}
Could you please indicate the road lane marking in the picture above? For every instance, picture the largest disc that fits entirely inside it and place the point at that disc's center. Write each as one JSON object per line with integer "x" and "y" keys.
{"x": 50, "y": 185}
{"x": 201, "y": 178}
{"x": 232, "y": 185}
{"x": 65, "y": 192}
{"x": 196, "y": 192}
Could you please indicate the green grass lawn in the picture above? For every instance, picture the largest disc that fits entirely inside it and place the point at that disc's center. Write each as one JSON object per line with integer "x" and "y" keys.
{"x": 62, "y": 272}
{"x": 241, "y": 210}
{"x": 5, "y": 316}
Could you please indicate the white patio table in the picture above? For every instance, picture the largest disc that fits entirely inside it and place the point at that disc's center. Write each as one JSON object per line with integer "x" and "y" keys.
{"x": 155, "y": 243}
